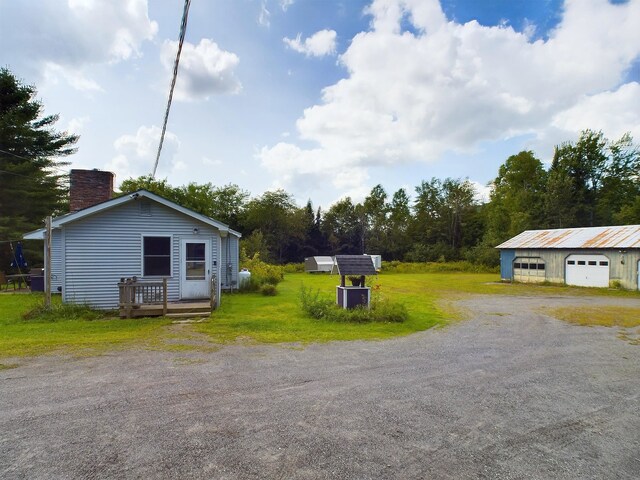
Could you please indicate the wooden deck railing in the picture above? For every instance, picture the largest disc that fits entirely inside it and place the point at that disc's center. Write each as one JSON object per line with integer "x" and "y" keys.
{"x": 134, "y": 293}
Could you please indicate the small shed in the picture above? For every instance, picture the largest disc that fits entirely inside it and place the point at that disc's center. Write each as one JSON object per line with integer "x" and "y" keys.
{"x": 357, "y": 267}
{"x": 377, "y": 261}
{"x": 318, "y": 264}
{"x": 588, "y": 256}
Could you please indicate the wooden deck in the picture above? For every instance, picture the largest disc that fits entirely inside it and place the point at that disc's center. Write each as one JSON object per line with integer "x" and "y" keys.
{"x": 149, "y": 299}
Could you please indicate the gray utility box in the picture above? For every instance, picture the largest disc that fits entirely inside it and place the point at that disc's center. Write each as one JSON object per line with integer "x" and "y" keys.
{"x": 351, "y": 297}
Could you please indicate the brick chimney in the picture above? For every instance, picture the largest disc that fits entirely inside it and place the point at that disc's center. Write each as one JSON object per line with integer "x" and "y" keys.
{"x": 88, "y": 188}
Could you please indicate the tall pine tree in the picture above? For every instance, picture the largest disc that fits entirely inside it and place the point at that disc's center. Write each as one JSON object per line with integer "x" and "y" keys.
{"x": 32, "y": 185}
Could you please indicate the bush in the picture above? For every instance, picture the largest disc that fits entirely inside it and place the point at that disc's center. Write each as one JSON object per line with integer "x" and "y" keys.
{"x": 437, "y": 252}
{"x": 269, "y": 290}
{"x": 437, "y": 267}
{"x": 322, "y": 308}
{"x": 615, "y": 284}
{"x": 483, "y": 255}
{"x": 250, "y": 284}
{"x": 314, "y": 305}
{"x": 65, "y": 311}
{"x": 294, "y": 268}
{"x": 261, "y": 273}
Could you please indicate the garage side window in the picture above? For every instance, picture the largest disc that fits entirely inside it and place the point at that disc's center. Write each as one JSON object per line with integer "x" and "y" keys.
{"x": 156, "y": 256}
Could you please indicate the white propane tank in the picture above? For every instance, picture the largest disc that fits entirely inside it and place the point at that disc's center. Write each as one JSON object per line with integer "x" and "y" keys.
{"x": 243, "y": 277}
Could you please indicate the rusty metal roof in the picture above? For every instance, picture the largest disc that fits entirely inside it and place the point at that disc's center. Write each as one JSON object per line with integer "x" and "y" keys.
{"x": 627, "y": 236}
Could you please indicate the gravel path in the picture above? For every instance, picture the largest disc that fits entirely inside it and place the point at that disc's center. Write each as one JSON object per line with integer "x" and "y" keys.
{"x": 510, "y": 393}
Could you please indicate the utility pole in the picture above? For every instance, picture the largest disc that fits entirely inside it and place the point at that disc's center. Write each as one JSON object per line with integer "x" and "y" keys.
{"x": 47, "y": 264}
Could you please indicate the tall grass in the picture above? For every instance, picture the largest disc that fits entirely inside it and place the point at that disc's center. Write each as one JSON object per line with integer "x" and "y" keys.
{"x": 59, "y": 312}
{"x": 461, "y": 266}
{"x": 321, "y": 307}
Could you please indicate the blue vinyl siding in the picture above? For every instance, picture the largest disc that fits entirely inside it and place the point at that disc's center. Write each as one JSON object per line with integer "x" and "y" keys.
{"x": 506, "y": 264}
{"x": 56, "y": 261}
{"x": 230, "y": 252}
{"x": 101, "y": 249}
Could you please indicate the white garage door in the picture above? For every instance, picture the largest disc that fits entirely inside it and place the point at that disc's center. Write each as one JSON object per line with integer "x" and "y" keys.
{"x": 529, "y": 270}
{"x": 587, "y": 270}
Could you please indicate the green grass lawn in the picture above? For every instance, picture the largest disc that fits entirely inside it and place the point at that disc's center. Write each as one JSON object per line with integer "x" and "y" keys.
{"x": 254, "y": 318}
{"x": 20, "y": 337}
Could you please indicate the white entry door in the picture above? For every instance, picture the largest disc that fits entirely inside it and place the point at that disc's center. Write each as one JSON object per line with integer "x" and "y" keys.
{"x": 587, "y": 270}
{"x": 195, "y": 268}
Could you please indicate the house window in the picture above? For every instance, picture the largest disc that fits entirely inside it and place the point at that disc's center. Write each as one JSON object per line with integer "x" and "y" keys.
{"x": 156, "y": 254}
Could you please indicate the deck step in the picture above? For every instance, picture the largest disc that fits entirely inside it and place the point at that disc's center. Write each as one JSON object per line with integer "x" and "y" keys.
{"x": 188, "y": 314}
{"x": 188, "y": 320}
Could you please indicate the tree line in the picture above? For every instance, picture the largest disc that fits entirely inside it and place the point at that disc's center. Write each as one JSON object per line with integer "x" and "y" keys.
{"x": 592, "y": 181}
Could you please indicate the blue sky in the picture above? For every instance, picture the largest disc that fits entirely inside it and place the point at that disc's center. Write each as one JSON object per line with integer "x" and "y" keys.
{"x": 327, "y": 98}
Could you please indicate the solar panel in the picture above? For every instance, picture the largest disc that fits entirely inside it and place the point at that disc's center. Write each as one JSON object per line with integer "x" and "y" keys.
{"x": 355, "y": 265}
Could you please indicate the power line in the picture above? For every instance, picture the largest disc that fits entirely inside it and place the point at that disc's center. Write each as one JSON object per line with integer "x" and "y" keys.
{"x": 183, "y": 31}
{"x": 27, "y": 158}
{"x": 15, "y": 174}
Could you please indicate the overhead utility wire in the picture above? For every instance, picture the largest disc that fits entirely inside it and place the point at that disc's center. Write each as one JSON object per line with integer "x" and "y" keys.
{"x": 15, "y": 174}
{"x": 183, "y": 31}
{"x": 26, "y": 158}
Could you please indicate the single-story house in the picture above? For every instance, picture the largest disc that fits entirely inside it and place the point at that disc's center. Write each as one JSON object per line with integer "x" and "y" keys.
{"x": 589, "y": 257}
{"x": 318, "y": 264}
{"x": 141, "y": 235}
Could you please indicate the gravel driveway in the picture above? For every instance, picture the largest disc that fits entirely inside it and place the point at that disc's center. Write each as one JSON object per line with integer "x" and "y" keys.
{"x": 510, "y": 393}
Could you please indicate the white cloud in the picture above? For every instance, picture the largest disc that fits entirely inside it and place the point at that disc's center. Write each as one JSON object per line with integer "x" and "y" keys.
{"x": 204, "y": 69}
{"x": 76, "y": 78}
{"x": 317, "y": 45}
{"x": 616, "y": 112}
{"x": 448, "y": 87}
{"x": 71, "y": 36}
{"x": 264, "y": 18}
{"x": 285, "y": 4}
{"x": 76, "y": 125}
{"x": 211, "y": 162}
{"x": 483, "y": 192}
{"x": 136, "y": 154}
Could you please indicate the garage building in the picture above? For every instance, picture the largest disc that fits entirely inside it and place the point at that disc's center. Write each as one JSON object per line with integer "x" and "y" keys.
{"x": 588, "y": 257}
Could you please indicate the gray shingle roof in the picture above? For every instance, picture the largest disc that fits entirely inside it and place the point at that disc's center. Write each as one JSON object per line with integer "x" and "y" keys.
{"x": 355, "y": 265}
